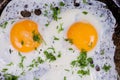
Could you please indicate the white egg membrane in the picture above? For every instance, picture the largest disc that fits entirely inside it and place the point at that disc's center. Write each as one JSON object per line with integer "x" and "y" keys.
{"x": 48, "y": 71}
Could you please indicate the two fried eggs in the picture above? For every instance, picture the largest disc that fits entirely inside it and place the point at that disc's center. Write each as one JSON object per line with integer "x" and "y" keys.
{"x": 82, "y": 27}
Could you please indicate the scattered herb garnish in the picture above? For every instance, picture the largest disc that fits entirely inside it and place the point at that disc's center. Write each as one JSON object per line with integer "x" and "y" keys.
{"x": 47, "y": 24}
{"x": 71, "y": 49}
{"x": 60, "y": 28}
{"x": 4, "y": 70}
{"x": 35, "y": 78}
{"x": 49, "y": 56}
{"x": 102, "y": 52}
{"x": 106, "y": 67}
{"x": 23, "y": 72}
{"x": 65, "y": 78}
{"x": 56, "y": 38}
{"x": 61, "y": 3}
{"x": 46, "y": 4}
{"x": 56, "y": 12}
{"x": 84, "y": 1}
{"x": 83, "y": 62}
{"x": 85, "y": 13}
{"x": 10, "y": 64}
{"x": 35, "y": 63}
{"x": 10, "y": 77}
{"x": 36, "y": 37}
{"x": 83, "y": 72}
{"x": 67, "y": 70}
{"x": 59, "y": 54}
{"x": 22, "y": 60}
{"x": 46, "y": 13}
{"x": 4, "y": 25}
{"x": 52, "y": 48}
{"x": 69, "y": 40}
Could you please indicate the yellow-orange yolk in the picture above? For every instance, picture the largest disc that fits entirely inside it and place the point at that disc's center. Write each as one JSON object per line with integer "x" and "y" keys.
{"x": 25, "y": 36}
{"x": 83, "y": 35}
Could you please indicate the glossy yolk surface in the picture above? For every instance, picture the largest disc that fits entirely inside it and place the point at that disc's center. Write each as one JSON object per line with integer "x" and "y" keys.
{"x": 25, "y": 36}
{"x": 83, "y": 35}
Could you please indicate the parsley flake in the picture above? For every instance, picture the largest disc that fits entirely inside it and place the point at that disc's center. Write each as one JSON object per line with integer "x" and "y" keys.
{"x": 65, "y": 78}
{"x": 62, "y": 4}
{"x": 49, "y": 56}
{"x": 106, "y": 67}
{"x": 85, "y": 13}
{"x": 56, "y": 12}
{"x": 56, "y": 38}
{"x": 10, "y": 77}
{"x": 83, "y": 72}
{"x": 4, "y": 25}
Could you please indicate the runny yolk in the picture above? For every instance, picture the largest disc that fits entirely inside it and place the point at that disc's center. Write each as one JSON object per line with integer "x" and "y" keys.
{"x": 83, "y": 35}
{"x": 25, "y": 36}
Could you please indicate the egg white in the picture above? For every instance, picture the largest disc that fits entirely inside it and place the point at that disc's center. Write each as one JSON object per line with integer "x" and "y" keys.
{"x": 101, "y": 18}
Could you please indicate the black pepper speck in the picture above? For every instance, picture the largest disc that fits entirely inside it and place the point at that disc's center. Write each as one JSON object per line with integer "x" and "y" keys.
{"x": 97, "y": 68}
{"x": 26, "y": 13}
{"x": 37, "y": 12}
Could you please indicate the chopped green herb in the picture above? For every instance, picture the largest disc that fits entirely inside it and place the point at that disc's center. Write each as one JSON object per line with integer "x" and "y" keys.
{"x": 83, "y": 62}
{"x": 84, "y": 1}
{"x": 61, "y": 3}
{"x": 36, "y": 37}
{"x": 46, "y": 4}
{"x": 70, "y": 48}
{"x": 59, "y": 54}
{"x": 40, "y": 60}
{"x": 35, "y": 78}
{"x": 4, "y": 70}
{"x": 52, "y": 48}
{"x": 67, "y": 70}
{"x": 10, "y": 77}
{"x": 47, "y": 24}
{"x": 82, "y": 59}
{"x": 73, "y": 63}
{"x": 49, "y": 56}
{"x": 69, "y": 40}
{"x": 60, "y": 28}
{"x": 23, "y": 73}
{"x": 102, "y": 52}
{"x": 56, "y": 38}
{"x": 92, "y": 65}
{"x": 85, "y": 13}
{"x": 56, "y": 12}
{"x": 46, "y": 13}
{"x": 4, "y": 25}
{"x": 35, "y": 63}
{"x": 90, "y": 60}
{"x": 106, "y": 67}
{"x": 65, "y": 78}
{"x": 22, "y": 60}
{"x": 22, "y": 42}
{"x": 10, "y": 64}
{"x": 83, "y": 72}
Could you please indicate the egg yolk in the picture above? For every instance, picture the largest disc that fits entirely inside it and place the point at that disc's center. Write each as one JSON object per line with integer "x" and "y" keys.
{"x": 25, "y": 36}
{"x": 83, "y": 35}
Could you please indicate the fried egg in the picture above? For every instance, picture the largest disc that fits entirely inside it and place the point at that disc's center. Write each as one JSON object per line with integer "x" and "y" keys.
{"x": 44, "y": 46}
